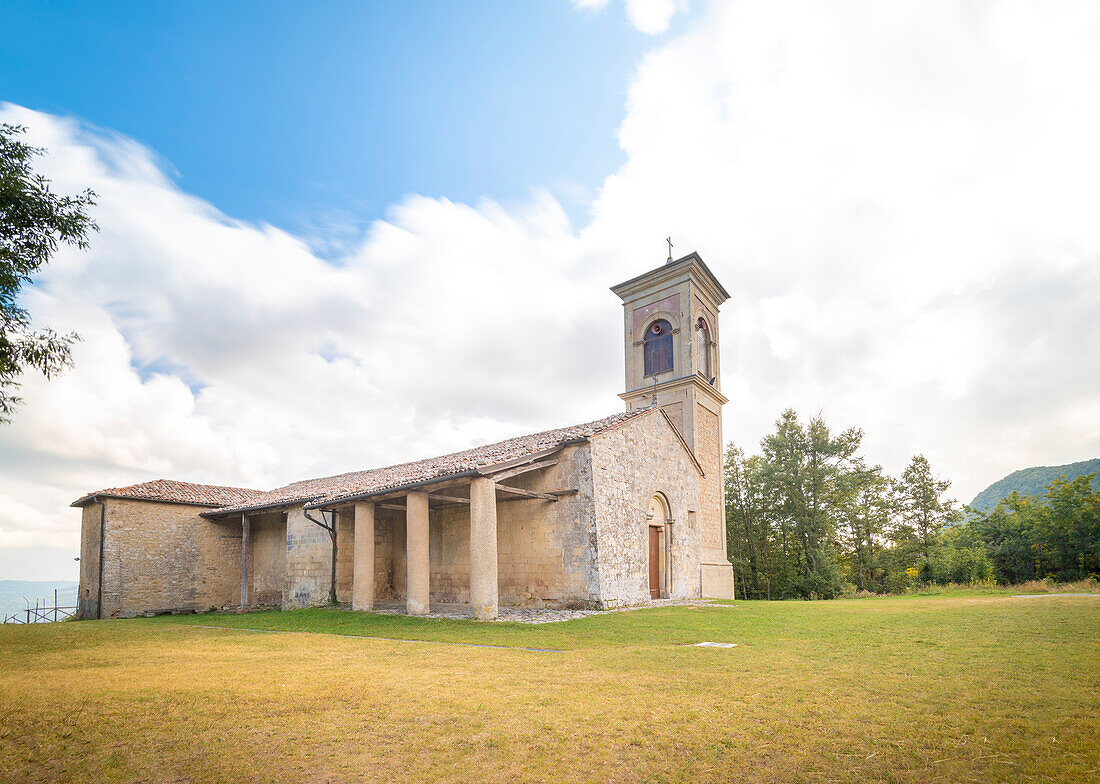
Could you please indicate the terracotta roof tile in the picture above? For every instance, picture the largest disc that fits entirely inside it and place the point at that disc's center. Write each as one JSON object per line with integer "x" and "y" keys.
{"x": 176, "y": 492}
{"x": 340, "y": 488}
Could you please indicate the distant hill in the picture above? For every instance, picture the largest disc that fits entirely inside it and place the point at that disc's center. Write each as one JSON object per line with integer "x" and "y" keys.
{"x": 1033, "y": 481}
{"x": 14, "y": 594}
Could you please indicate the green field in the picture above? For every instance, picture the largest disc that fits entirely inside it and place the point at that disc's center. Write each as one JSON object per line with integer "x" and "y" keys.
{"x": 912, "y": 689}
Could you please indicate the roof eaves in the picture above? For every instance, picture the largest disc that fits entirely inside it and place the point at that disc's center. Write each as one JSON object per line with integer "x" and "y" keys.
{"x": 684, "y": 442}
{"x": 92, "y": 497}
{"x": 331, "y": 500}
{"x": 649, "y": 409}
{"x": 234, "y": 509}
{"x": 485, "y": 470}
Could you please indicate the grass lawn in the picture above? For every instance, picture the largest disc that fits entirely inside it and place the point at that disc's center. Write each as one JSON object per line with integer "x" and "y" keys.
{"x": 913, "y": 689}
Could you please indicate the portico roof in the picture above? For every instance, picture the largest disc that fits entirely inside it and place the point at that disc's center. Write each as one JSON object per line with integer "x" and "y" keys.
{"x": 344, "y": 488}
{"x": 173, "y": 492}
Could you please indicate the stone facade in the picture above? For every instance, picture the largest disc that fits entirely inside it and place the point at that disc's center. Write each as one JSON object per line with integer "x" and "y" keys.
{"x": 543, "y": 548}
{"x": 88, "y": 594}
{"x": 158, "y": 557}
{"x": 267, "y": 559}
{"x": 631, "y": 465}
{"x": 308, "y": 560}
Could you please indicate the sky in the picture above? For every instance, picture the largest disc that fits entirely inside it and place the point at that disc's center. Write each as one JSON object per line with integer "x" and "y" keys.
{"x": 371, "y": 234}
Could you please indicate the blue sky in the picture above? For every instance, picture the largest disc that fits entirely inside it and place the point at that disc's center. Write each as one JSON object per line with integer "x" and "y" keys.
{"x": 900, "y": 197}
{"x": 315, "y": 115}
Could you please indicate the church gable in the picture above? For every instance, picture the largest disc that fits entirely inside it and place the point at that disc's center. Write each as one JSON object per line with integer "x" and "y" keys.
{"x": 634, "y": 465}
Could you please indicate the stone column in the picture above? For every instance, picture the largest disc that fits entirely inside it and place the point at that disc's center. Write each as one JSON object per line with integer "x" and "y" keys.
{"x": 362, "y": 581}
{"x": 418, "y": 566}
{"x": 483, "y": 548}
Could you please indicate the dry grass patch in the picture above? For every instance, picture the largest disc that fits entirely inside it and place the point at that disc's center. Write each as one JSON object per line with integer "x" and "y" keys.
{"x": 911, "y": 689}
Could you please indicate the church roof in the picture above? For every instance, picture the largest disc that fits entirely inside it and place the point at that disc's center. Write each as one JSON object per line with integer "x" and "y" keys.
{"x": 175, "y": 492}
{"x": 344, "y": 488}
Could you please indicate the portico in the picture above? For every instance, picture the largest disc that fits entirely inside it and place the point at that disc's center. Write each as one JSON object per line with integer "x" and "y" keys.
{"x": 474, "y": 498}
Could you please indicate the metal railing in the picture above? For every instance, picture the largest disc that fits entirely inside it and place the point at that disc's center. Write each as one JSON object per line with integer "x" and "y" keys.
{"x": 42, "y": 612}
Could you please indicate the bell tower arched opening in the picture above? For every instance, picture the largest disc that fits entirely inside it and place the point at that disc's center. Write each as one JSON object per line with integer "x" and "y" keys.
{"x": 658, "y": 352}
{"x": 703, "y": 345}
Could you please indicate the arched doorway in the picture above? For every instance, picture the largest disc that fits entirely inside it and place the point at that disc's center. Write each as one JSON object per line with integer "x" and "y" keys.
{"x": 657, "y": 551}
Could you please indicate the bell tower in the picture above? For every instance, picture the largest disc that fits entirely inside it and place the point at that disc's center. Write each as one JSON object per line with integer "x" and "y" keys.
{"x": 672, "y": 359}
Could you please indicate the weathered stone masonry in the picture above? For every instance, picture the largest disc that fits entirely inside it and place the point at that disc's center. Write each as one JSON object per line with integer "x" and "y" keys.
{"x": 606, "y": 513}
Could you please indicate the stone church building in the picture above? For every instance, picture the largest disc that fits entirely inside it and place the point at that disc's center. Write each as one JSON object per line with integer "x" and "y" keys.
{"x": 615, "y": 512}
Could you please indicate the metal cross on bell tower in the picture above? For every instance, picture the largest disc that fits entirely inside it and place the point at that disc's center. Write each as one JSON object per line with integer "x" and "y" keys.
{"x": 669, "y": 241}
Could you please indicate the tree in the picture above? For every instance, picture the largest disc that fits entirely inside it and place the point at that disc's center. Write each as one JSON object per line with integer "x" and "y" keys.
{"x": 1071, "y": 528}
{"x": 34, "y": 221}
{"x": 801, "y": 475}
{"x": 864, "y": 520}
{"x": 1033, "y": 537}
{"x": 747, "y": 523}
{"x": 923, "y": 512}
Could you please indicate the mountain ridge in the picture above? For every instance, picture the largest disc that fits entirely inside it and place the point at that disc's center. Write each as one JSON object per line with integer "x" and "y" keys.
{"x": 1033, "y": 481}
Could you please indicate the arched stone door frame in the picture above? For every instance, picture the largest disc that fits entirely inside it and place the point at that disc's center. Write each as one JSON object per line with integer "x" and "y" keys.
{"x": 659, "y": 545}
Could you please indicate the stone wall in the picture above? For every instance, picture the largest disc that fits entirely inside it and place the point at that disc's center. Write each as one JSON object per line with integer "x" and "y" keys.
{"x": 630, "y": 465}
{"x": 708, "y": 451}
{"x": 716, "y": 573}
{"x": 308, "y": 561}
{"x": 159, "y": 557}
{"x": 88, "y": 594}
{"x": 389, "y": 555}
{"x": 384, "y": 522}
{"x": 345, "y": 553}
{"x": 545, "y": 550}
{"x": 267, "y": 559}
{"x": 308, "y": 554}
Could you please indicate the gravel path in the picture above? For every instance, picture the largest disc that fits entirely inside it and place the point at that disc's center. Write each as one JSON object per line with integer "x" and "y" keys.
{"x": 530, "y": 614}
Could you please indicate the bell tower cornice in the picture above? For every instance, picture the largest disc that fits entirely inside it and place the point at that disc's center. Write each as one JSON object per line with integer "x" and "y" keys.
{"x": 696, "y": 381}
{"x": 671, "y": 273}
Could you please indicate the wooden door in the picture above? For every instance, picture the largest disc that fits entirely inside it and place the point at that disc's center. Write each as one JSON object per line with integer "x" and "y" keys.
{"x": 654, "y": 562}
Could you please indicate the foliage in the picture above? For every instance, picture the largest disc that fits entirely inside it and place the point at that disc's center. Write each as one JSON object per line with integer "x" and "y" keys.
{"x": 34, "y": 221}
{"x": 1033, "y": 481}
{"x": 1055, "y": 536}
{"x": 784, "y": 507}
{"x": 808, "y": 518}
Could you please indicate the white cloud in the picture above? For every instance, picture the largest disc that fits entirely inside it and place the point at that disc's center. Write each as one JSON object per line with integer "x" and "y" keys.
{"x": 900, "y": 198}
{"x": 647, "y": 16}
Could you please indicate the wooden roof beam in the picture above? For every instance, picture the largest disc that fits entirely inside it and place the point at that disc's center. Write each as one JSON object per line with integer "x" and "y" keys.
{"x": 523, "y": 469}
{"x": 450, "y": 499}
{"x": 526, "y": 493}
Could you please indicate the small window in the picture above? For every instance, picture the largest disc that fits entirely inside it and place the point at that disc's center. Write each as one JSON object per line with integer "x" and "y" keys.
{"x": 658, "y": 348}
{"x": 702, "y": 348}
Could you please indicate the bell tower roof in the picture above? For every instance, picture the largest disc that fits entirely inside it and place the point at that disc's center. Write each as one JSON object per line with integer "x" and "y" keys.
{"x": 670, "y": 270}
